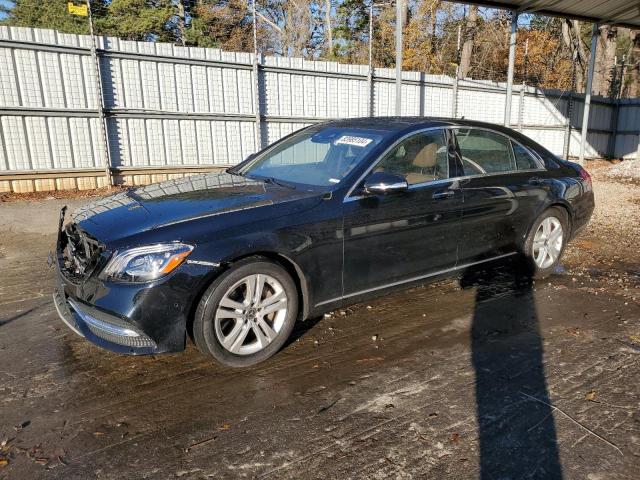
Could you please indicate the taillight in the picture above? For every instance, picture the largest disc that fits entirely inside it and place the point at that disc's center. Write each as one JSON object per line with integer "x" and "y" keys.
{"x": 586, "y": 177}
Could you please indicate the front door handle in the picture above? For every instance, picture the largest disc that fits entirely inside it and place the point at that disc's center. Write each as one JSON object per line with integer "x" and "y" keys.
{"x": 536, "y": 181}
{"x": 444, "y": 194}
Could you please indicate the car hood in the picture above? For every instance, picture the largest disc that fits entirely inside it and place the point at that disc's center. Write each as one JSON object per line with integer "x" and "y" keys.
{"x": 137, "y": 210}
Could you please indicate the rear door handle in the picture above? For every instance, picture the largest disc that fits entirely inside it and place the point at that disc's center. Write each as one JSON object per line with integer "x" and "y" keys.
{"x": 444, "y": 194}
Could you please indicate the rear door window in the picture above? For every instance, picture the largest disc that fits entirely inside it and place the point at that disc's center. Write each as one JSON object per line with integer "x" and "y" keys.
{"x": 484, "y": 151}
{"x": 524, "y": 159}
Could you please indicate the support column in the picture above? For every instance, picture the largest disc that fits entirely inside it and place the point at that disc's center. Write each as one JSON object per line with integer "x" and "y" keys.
{"x": 370, "y": 74}
{"x": 587, "y": 92}
{"x": 399, "y": 5}
{"x": 101, "y": 116}
{"x": 512, "y": 62}
{"x": 256, "y": 81}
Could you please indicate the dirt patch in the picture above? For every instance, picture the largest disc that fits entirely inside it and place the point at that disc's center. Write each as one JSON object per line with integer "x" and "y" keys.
{"x": 447, "y": 380}
{"x": 58, "y": 194}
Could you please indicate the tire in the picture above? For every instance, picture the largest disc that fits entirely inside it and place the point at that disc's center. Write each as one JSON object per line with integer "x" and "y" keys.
{"x": 230, "y": 322}
{"x": 543, "y": 238}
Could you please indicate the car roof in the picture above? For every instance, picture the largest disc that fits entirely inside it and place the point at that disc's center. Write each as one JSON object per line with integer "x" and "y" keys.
{"x": 407, "y": 124}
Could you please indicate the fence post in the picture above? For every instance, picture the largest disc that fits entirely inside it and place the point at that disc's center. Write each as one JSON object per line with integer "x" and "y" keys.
{"x": 512, "y": 62}
{"x": 569, "y": 112}
{"x": 256, "y": 81}
{"x": 370, "y": 73}
{"x": 454, "y": 95}
{"x": 611, "y": 144}
{"x": 587, "y": 93}
{"x": 521, "y": 107}
{"x": 399, "y": 25}
{"x": 101, "y": 115}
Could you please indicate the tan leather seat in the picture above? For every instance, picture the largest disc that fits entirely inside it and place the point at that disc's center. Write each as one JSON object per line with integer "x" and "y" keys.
{"x": 424, "y": 164}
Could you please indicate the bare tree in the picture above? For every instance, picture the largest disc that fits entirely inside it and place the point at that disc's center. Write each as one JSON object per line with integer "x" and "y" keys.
{"x": 327, "y": 26}
{"x": 181, "y": 22}
{"x": 603, "y": 79}
{"x": 467, "y": 46}
{"x": 633, "y": 88}
{"x": 572, "y": 37}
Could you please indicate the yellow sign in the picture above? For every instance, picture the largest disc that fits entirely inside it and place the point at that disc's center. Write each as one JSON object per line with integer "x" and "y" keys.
{"x": 78, "y": 8}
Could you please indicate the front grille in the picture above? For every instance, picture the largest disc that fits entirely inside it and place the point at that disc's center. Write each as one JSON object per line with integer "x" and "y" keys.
{"x": 78, "y": 253}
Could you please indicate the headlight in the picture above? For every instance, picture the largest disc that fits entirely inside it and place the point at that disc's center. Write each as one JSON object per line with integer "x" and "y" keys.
{"x": 144, "y": 264}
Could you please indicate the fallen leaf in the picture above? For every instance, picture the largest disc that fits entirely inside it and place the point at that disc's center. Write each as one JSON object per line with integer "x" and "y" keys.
{"x": 455, "y": 437}
{"x": 591, "y": 396}
{"x": 3, "y": 462}
{"x": 575, "y": 331}
{"x": 225, "y": 426}
{"x": 634, "y": 338}
{"x": 23, "y": 425}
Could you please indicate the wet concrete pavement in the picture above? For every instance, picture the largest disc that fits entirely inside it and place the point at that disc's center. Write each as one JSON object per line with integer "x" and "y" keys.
{"x": 493, "y": 376}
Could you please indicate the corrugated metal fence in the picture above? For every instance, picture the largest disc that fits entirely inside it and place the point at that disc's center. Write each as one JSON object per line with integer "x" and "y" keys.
{"x": 173, "y": 109}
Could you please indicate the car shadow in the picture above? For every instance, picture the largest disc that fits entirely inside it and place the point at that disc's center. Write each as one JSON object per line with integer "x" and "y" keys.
{"x": 517, "y": 435}
{"x": 301, "y": 328}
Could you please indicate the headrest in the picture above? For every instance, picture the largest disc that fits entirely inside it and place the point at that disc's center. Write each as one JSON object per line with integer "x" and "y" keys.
{"x": 427, "y": 157}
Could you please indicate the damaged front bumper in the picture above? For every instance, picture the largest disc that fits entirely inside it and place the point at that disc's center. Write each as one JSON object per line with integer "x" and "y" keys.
{"x": 127, "y": 318}
{"x": 106, "y": 331}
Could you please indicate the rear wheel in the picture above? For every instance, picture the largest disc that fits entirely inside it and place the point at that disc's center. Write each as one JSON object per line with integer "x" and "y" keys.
{"x": 247, "y": 314}
{"x": 546, "y": 241}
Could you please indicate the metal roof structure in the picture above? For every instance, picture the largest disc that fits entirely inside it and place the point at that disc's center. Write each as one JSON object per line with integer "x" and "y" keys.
{"x": 624, "y": 13}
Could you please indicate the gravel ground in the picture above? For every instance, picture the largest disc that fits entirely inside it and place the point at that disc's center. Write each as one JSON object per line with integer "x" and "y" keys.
{"x": 626, "y": 170}
{"x": 490, "y": 376}
{"x": 609, "y": 248}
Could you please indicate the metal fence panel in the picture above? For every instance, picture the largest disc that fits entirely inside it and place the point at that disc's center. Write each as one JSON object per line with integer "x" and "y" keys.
{"x": 170, "y": 106}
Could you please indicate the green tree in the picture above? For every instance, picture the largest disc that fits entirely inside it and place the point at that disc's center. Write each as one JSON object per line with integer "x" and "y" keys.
{"x": 128, "y": 19}
{"x": 49, "y": 14}
{"x": 140, "y": 20}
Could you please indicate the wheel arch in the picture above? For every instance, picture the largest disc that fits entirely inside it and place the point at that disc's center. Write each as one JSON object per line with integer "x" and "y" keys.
{"x": 569, "y": 211}
{"x": 282, "y": 260}
{"x": 555, "y": 204}
{"x": 292, "y": 269}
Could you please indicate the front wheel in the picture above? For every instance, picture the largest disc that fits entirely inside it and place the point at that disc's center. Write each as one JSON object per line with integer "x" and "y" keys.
{"x": 546, "y": 241}
{"x": 247, "y": 314}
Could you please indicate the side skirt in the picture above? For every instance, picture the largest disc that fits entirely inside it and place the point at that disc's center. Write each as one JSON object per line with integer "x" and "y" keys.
{"x": 413, "y": 279}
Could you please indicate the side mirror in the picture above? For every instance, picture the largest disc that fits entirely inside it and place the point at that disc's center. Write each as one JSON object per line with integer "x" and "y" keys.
{"x": 383, "y": 183}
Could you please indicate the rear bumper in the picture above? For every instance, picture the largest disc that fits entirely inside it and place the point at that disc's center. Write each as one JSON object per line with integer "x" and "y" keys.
{"x": 582, "y": 212}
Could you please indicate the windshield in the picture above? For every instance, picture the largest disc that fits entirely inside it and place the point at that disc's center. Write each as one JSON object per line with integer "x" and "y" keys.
{"x": 318, "y": 156}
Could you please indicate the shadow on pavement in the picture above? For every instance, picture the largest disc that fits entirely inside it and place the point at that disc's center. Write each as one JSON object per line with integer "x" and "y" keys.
{"x": 13, "y": 318}
{"x": 517, "y": 434}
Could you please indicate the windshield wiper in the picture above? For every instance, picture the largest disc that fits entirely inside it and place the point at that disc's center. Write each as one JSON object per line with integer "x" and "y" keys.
{"x": 233, "y": 171}
{"x": 277, "y": 182}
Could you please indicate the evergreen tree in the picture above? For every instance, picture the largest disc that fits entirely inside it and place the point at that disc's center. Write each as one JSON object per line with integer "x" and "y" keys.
{"x": 51, "y": 14}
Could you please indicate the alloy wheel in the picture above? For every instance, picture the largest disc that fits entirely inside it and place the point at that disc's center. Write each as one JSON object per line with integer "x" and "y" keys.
{"x": 547, "y": 242}
{"x": 251, "y": 314}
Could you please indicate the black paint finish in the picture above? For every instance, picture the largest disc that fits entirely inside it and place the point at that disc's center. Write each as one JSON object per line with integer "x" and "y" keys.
{"x": 341, "y": 244}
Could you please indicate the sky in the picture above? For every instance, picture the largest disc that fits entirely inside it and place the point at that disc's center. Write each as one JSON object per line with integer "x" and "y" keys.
{"x": 3, "y": 3}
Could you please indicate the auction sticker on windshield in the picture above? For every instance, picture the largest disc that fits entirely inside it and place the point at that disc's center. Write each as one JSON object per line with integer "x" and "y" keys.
{"x": 355, "y": 141}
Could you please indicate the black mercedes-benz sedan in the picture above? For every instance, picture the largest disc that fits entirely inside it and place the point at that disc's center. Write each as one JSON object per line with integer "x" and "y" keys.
{"x": 327, "y": 216}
